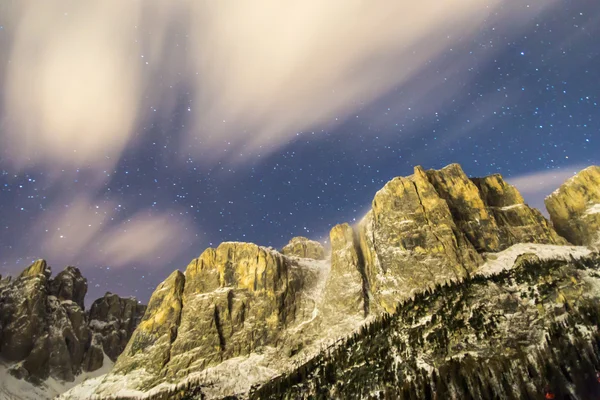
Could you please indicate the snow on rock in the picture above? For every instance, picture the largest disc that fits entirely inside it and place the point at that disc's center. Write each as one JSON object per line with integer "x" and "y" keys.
{"x": 497, "y": 262}
{"x": 12, "y": 388}
{"x": 512, "y": 206}
{"x": 594, "y": 209}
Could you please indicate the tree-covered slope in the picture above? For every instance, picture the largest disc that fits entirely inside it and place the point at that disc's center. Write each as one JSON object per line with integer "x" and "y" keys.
{"x": 512, "y": 335}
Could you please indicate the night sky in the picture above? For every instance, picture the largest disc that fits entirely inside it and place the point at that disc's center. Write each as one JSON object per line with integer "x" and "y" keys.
{"x": 518, "y": 95}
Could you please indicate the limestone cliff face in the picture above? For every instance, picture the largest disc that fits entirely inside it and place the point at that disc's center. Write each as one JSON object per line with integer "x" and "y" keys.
{"x": 469, "y": 212}
{"x": 69, "y": 284}
{"x": 575, "y": 208}
{"x": 150, "y": 345}
{"x": 410, "y": 241}
{"x": 490, "y": 212}
{"x": 22, "y": 308}
{"x": 237, "y": 298}
{"x": 432, "y": 226}
{"x": 44, "y": 330}
{"x": 305, "y": 248}
{"x": 516, "y": 221}
{"x": 345, "y": 290}
{"x": 231, "y": 301}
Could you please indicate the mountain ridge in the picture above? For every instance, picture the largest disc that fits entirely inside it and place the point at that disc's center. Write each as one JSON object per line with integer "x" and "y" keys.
{"x": 242, "y": 314}
{"x": 423, "y": 230}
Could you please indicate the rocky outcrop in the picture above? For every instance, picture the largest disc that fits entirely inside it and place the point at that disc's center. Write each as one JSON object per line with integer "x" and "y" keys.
{"x": 231, "y": 301}
{"x": 43, "y": 334}
{"x": 467, "y": 207}
{"x": 237, "y": 298}
{"x": 305, "y": 248}
{"x": 150, "y": 345}
{"x": 69, "y": 284}
{"x": 346, "y": 290}
{"x": 516, "y": 221}
{"x": 38, "y": 268}
{"x": 575, "y": 208}
{"x": 44, "y": 330}
{"x": 432, "y": 226}
{"x": 490, "y": 212}
{"x": 113, "y": 320}
{"x": 22, "y": 310}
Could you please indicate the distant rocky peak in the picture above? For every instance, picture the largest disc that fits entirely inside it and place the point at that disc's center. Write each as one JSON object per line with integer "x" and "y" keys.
{"x": 45, "y": 332}
{"x": 69, "y": 284}
{"x": 575, "y": 208}
{"x": 304, "y": 248}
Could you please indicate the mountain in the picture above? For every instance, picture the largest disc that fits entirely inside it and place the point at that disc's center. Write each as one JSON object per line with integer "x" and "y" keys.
{"x": 242, "y": 315}
{"x": 575, "y": 208}
{"x": 46, "y": 333}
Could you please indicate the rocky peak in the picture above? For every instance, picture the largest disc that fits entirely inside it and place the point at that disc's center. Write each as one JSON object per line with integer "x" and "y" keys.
{"x": 39, "y": 267}
{"x": 491, "y": 213}
{"x": 516, "y": 221}
{"x": 305, "y": 248}
{"x": 496, "y": 192}
{"x": 236, "y": 265}
{"x": 69, "y": 284}
{"x": 467, "y": 207}
{"x": 232, "y": 300}
{"x": 409, "y": 240}
{"x": 237, "y": 297}
{"x": 575, "y": 208}
{"x": 44, "y": 331}
{"x": 150, "y": 345}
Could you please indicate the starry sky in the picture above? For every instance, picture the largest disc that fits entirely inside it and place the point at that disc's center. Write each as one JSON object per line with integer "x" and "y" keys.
{"x": 133, "y": 136}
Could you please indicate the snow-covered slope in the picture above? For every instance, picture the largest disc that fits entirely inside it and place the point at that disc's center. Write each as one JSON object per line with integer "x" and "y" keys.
{"x": 12, "y": 388}
{"x": 496, "y": 262}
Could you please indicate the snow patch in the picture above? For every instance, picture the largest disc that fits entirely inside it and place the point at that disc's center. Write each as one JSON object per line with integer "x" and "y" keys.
{"x": 98, "y": 325}
{"x": 498, "y": 262}
{"x": 511, "y": 207}
{"x": 12, "y": 388}
{"x": 594, "y": 209}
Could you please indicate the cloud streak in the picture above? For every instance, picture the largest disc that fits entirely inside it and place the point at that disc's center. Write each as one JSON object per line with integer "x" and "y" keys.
{"x": 537, "y": 185}
{"x": 82, "y": 78}
{"x": 86, "y": 232}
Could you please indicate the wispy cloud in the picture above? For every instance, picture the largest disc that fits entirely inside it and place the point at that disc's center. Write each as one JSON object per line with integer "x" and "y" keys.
{"x": 86, "y": 232}
{"x": 82, "y": 78}
{"x": 536, "y": 186}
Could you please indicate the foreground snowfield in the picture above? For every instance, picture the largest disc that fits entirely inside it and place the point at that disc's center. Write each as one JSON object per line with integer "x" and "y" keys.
{"x": 17, "y": 389}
